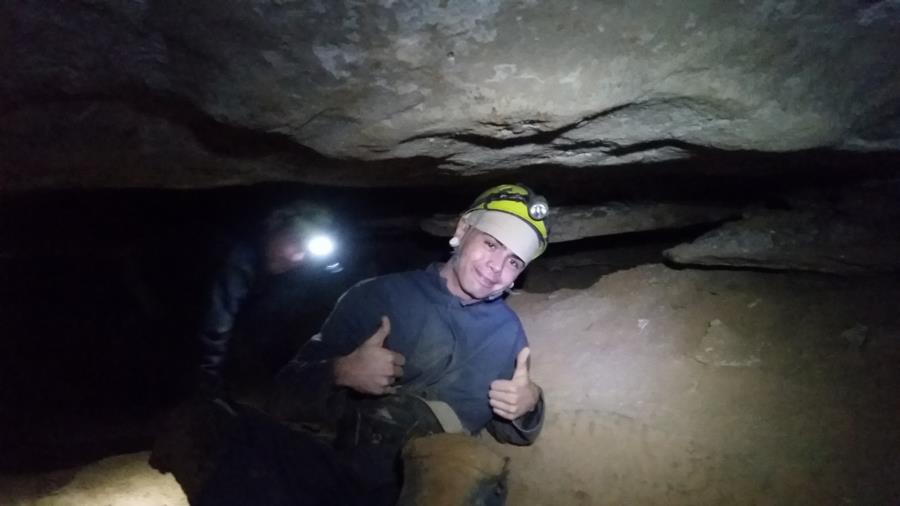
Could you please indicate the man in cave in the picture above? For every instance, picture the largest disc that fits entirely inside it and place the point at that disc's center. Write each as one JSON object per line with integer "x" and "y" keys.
{"x": 291, "y": 250}
{"x": 402, "y": 355}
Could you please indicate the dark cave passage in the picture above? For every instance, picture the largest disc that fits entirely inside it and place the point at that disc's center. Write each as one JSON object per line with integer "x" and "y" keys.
{"x": 101, "y": 292}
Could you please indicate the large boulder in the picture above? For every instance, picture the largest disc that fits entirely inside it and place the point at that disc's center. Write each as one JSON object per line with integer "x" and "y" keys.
{"x": 170, "y": 93}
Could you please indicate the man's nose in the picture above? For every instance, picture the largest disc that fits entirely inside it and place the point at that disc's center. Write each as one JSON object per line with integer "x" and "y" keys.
{"x": 495, "y": 262}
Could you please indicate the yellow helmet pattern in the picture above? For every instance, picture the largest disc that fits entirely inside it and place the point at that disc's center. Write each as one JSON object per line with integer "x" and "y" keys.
{"x": 520, "y": 201}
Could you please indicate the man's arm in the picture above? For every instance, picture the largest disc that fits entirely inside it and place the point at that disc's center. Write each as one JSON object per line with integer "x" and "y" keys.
{"x": 226, "y": 295}
{"x": 344, "y": 354}
{"x": 370, "y": 368}
{"x": 305, "y": 385}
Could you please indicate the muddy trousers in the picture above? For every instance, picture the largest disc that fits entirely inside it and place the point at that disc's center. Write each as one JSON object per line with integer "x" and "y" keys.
{"x": 269, "y": 464}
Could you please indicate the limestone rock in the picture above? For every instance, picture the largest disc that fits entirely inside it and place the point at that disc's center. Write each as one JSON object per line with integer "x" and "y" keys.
{"x": 213, "y": 91}
{"x": 119, "y": 480}
{"x": 571, "y": 223}
{"x": 723, "y": 347}
{"x": 813, "y": 240}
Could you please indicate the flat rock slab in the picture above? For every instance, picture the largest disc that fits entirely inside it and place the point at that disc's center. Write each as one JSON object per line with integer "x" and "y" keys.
{"x": 816, "y": 240}
{"x": 571, "y": 223}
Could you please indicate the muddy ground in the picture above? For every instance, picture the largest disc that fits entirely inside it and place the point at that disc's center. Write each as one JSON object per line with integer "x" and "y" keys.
{"x": 666, "y": 386}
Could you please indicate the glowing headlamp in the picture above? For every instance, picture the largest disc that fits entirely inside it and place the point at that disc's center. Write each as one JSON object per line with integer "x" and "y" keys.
{"x": 320, "y": 246}
{"x": 538, "y": 208}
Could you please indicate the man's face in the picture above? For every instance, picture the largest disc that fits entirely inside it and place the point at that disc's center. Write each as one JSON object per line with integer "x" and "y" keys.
{"x": 284, "y": 251}
{"x": 482, "y": 267}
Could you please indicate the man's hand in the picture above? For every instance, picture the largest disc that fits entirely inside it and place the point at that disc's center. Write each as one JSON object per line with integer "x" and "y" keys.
{"x": 371, "y": 368}
{"x": 511, "y": 399}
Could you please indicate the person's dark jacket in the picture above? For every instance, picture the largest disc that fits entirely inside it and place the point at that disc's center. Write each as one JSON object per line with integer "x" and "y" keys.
{"x": 269, "y": 315}
{"x": 232, "y": 284}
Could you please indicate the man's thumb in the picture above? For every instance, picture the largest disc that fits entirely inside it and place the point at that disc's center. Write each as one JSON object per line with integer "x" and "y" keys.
{"x": 522, "y": 363}
{"x": 377, "y": 339}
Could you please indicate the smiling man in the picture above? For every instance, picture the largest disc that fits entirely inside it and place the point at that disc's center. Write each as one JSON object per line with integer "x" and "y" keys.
{"x": 496, "y": 238}
{"x": 401, "y": 356}
{"x": 441, "y": 334}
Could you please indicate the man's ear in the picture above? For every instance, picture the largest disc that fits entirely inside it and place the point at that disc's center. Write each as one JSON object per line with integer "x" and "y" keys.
{"x": 461, "y": 228}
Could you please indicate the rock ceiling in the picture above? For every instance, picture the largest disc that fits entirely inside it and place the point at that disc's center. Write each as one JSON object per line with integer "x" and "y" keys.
{"x": 165, "y": 93}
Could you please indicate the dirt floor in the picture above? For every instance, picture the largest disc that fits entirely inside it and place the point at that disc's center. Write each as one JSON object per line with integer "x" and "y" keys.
{"x": 667, "y": 386}
{"x": 714, "y": 387}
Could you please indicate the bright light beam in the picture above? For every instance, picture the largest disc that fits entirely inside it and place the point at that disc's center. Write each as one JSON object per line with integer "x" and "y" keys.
{"x": 320, "y": 246}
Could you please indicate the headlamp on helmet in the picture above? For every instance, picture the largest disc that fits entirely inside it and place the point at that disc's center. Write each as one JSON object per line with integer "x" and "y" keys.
{"x": 320, "y": 246}
{"x": 308, "y": 229}
{"x": 538, "y": 209}
{"x": 515, "y": 215}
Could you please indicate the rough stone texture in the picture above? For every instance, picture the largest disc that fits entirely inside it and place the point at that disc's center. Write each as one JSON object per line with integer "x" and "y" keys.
{"x": 163, "y": 92}
{"x": 786, "y": 408}
{"x": 723, "y": 347}
{"x": 856, "y": 233}
{"x": 120, "y": 480}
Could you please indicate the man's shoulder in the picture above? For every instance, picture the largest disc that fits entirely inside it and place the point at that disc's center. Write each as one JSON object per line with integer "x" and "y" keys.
{"x": 508, "y": 311}
{"x": 510, "y": 317}
{"x": 390, "y": 282}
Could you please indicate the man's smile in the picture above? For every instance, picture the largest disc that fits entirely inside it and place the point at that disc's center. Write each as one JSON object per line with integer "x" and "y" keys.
{"x": 487, "y": 281}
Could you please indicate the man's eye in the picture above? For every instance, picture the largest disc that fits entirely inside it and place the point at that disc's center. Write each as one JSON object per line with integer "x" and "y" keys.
{"x": 515, "y": 263}
{"x": 490, "y": 244}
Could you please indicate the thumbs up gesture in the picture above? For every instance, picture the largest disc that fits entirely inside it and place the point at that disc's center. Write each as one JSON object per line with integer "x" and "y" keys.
{"x": 371, "y": 368}
{"x": 512, "y": 398}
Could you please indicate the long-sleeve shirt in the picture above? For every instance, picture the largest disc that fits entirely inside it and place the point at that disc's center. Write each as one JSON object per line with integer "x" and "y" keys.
{"x": 453, "y": 350}
{"x": 231, "y": 287}
{"x": 273, "y": 311}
